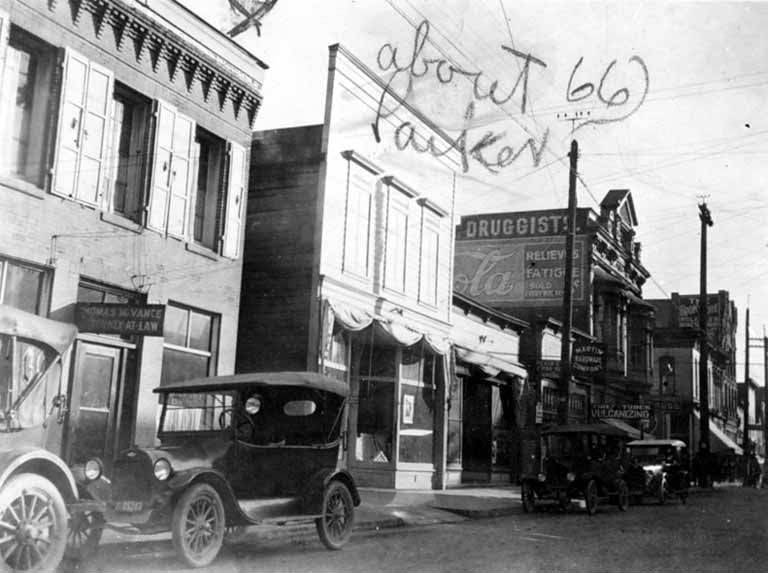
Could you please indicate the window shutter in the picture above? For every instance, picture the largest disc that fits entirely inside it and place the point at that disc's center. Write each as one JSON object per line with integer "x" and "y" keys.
{"x": 83, "y": 129}
{"x": 8, "y": 77}
{"x": 160, "y": 185}
{"x": 235, "y": 199}
{"x": 181, "y": 176}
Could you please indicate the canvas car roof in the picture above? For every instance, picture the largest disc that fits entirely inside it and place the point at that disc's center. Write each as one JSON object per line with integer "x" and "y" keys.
{"x": 312, "y": 380}
{"x": 55, "y": 334}
{"x": 604, "y": 429}
{"x": 676, "y": 443}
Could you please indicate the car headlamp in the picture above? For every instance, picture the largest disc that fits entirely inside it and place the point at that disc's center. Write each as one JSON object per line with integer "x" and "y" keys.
{"x": 93, "y": 469}
{"x": 570, "y": 476}
{"x": 541, "y": 477}
{"x": 162, "y": 469}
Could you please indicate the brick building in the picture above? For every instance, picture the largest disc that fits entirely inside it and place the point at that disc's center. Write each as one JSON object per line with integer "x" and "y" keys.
{"x": 125, "y": 134}
{"x": 677, "y": 355}
{"x": 514, "y": 262}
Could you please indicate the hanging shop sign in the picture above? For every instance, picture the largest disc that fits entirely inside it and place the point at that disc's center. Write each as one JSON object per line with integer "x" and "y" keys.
{"x": 550, "y": 369}
{"x": 588, "y": 357}
{"x": 118, "y": 318}
{"x": 622, "y": 411}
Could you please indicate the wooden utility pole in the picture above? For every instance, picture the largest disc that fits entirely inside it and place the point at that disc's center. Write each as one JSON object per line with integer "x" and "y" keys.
{"x": 706, "y": 221}
{"x": 745, "y": 437}
{"x": 570, "y": 239}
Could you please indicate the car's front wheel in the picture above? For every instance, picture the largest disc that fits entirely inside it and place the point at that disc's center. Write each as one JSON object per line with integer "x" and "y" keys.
{"x": 34, "y": 520}
{"x": 661, "y": 492}
{"x": 335, "y": 525}
{"x": 198, "y": 525}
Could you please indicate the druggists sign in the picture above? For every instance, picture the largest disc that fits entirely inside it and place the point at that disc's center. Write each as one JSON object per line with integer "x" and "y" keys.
{"x": 518, "y": 258}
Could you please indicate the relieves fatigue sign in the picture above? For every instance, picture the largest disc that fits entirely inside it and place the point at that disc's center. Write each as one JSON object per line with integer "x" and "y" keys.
{"x": 517, "y": 258}
{"x": 125, "y": 319}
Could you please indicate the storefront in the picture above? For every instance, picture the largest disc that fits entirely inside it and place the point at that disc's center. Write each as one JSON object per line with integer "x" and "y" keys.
{"x": 484, "y": 418}
{"x": 397, "y": 377}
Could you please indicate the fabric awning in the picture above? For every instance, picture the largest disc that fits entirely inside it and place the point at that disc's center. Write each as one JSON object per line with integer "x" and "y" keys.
{"x": 489, "y": 363}
{"x": 605, "y": 276}
{"x": 722, "y": 441}
{"x": 622, "y": 425}
{"x": 637, "y": 301}
{"x": 355, "y": 320}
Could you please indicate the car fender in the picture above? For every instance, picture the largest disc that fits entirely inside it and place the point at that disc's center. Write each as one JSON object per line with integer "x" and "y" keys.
{"x": 41, "y": 462}
{"x": 180, "y": 481}
{"x": 312, "y": 495}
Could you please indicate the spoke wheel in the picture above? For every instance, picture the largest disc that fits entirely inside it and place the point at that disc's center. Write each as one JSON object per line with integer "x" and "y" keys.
{"x": 590, "y": 497}
{"x": 198, "y": 525}
{"x": 335, "y": 526}
{"x": 528, "y": 497}
{"x": 85, "y": 529}
{"x": 662, "y": 491}
{"x": 622, "y": 497}
{"x": 33, "y": 524}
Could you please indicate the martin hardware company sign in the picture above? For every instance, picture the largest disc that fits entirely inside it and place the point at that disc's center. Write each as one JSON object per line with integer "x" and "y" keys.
{"x": 587, "y": 357}
{"x": 622, "y": 411}
{"x": 124, "y": 319}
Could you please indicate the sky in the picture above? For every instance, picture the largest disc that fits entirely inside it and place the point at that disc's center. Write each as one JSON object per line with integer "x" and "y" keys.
{"x": 667, "y": 99}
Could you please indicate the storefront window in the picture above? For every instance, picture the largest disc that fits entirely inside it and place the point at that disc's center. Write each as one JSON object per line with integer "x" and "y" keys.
{"x": 417, "y": 405}
{"x": 374, "y": 368}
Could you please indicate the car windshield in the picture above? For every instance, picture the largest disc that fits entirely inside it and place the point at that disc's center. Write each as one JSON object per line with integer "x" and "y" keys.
{"x": 565, "y": 445}
{"x": 22, "y": 364}
{"x": 651, "y": 454}
{"x": 196, "y": 412}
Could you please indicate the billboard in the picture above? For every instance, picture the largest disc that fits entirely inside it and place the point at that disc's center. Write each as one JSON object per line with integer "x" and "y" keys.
{"x": 518, "y": 259}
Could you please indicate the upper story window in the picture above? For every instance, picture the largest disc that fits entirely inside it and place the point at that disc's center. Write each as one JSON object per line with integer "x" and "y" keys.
{"x": 209, "y": 196}
{"x": 128, "y": 152}
{"x": 27, "y": 95}
{"x": 430, "y": 253}
{"x": 24, "y": 286}
{"x": 397, "y": 239}
{"x": 361, "y": 183}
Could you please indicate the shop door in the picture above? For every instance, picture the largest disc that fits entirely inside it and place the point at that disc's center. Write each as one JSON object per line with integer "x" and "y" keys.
{"x": 98, "y": 371}
{"x": 476, "y": 443}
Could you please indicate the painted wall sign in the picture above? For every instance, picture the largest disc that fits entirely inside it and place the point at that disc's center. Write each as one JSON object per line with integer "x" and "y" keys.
{"x": 622, "y": 411}
{"x": 527, "y": 271}
{"x": 117, "y": 318}
{"x": 588, "y": 357}
{"x": 548, "y": 223}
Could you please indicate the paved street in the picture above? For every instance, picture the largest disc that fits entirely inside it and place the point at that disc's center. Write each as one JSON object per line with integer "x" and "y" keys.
{"x": 722, "y": 530}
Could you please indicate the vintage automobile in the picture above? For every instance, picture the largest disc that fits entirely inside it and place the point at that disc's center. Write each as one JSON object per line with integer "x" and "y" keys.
{"x": 658, "y": 468}
{"x": 579, "y": 462}
{"x": 39, "y": 494}
{"x": 239, "y": 450}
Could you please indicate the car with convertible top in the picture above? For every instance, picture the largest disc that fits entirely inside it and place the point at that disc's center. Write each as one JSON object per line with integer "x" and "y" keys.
{"x": 264, "y": 448}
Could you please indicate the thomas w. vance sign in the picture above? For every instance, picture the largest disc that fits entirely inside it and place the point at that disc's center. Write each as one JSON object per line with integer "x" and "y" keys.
{"x": 117, "y": 318}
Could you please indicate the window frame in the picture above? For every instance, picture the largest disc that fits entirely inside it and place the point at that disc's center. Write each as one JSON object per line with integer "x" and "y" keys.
{"x": 212, "y": 354}
{"x": 431, "y": 223}
{"x": 43, "y": 116}
{"x": 46, "y": 280}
